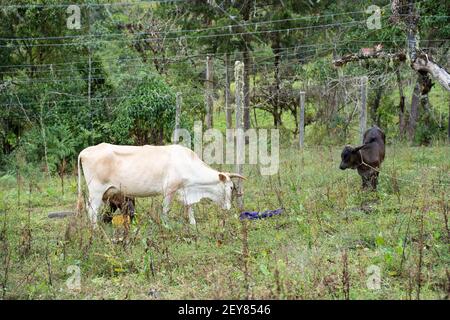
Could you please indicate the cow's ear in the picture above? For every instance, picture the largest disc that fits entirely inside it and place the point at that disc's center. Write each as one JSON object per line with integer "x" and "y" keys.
{"x": 222, "y": 177}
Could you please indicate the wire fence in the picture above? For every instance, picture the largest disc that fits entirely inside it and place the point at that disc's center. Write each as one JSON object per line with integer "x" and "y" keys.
{"x": 105, "y": 68}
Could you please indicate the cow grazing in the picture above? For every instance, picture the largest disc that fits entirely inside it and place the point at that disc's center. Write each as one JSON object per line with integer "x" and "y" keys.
{"x": 366, "y": 158}
{"x": 142, "y": 171}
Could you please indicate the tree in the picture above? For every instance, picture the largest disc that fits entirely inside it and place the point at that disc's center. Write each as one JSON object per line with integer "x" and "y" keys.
{"x": 148, "y": 115}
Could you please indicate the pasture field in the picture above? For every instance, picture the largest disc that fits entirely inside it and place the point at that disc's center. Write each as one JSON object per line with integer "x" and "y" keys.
{"x": 333, "y": 241}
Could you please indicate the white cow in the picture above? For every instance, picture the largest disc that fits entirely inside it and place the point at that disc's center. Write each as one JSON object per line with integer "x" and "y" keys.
{"x": 142, "y": 171}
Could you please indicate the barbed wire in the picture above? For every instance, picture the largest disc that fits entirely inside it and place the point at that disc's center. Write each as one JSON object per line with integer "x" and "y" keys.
{"x": 146, "y": 2}
{"x": 215, "y": 54}
{"x": 120, "y": 60}
{"x": 184, "y": 37}
{"x": 93, "y": 4}
{"x": 230, "y": 27}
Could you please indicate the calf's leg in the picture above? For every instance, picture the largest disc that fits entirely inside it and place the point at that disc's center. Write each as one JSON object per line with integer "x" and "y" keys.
{"x": 129, "y": 207}
{"x": 365, "y": 181}
{"x": 374, "y": 180}
{"x": 107, "y": 216}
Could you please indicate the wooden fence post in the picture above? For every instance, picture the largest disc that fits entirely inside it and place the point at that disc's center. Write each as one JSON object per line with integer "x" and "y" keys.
{"x": 240, "y": 156}
{"x": 448, "y": 129}
{"x": 178, "y": 117}
{"x": 363, "y": 110}
{"x": 228, "y": 109}
{"x": 209, "y": 92}
{"x": 301, "y": 120}
{"x": 240, "y": 143}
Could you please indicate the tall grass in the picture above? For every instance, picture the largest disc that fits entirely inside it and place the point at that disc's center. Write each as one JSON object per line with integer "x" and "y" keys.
{"x": 320, "y": 247}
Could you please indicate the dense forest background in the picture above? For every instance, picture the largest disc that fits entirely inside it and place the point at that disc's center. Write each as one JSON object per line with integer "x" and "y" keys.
{"x": 116, "y": 78}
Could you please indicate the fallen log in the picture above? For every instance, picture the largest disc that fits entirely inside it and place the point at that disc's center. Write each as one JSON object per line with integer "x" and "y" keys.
{"x": 60, "y": 215}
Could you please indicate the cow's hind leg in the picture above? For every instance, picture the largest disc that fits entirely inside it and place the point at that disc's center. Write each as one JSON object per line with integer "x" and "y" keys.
{"x": 95, "y": 203}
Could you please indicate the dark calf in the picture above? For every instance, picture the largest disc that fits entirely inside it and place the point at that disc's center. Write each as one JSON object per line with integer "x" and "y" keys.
{"x": 366, "y": 158}
{"x": 118, "y": 201}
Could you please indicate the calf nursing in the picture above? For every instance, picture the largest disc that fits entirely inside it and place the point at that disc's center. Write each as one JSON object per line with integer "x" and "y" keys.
{"x": 118, "y": 174}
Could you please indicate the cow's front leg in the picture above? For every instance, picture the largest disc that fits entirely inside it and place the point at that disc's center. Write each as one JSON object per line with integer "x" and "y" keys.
{"x": 166, "y": 207}
{"x": 190, "y": 211}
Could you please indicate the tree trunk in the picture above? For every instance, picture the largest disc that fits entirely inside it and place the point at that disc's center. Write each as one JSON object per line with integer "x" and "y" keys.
{"x": 425, "y": 104}
{"x": 277, "y": 119}
{"x": 276, "y": 106}
{"x": 414, "y": 113}
{"x": 376, "y": 105}
{"x": 209, "y": 92}
{"x": 246, "y": 13}
{"x": 401, "y": 111}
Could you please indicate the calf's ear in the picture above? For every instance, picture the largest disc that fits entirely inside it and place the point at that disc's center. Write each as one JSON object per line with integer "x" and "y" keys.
{"x": 356, "y": 149}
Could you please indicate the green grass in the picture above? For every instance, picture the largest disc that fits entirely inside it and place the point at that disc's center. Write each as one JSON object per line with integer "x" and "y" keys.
{"x": 297, "y": 255}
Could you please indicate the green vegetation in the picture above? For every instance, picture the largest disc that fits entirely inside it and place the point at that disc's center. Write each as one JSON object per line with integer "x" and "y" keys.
{"x": 116, "y": 80}
{"x": 297, "y": 255}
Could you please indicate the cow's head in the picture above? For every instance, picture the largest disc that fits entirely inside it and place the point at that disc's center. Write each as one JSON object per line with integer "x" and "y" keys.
{"x": 350, "y": 157}
{"x": 228, "y": 188}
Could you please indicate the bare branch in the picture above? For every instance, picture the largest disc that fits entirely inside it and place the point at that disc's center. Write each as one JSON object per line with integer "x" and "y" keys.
{"x": 400, "y": 56}
{"x": 424, "y": 64}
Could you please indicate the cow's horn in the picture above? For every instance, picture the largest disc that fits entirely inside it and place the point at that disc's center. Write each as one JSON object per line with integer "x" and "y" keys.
{"x": 236, "y": 175}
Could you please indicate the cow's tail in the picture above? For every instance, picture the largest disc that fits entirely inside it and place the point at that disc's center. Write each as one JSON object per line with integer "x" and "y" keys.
{"x": 80, "y": 200}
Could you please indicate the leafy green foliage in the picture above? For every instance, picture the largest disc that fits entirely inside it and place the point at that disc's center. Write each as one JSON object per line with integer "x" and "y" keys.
{"x": 148, "y": 116}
